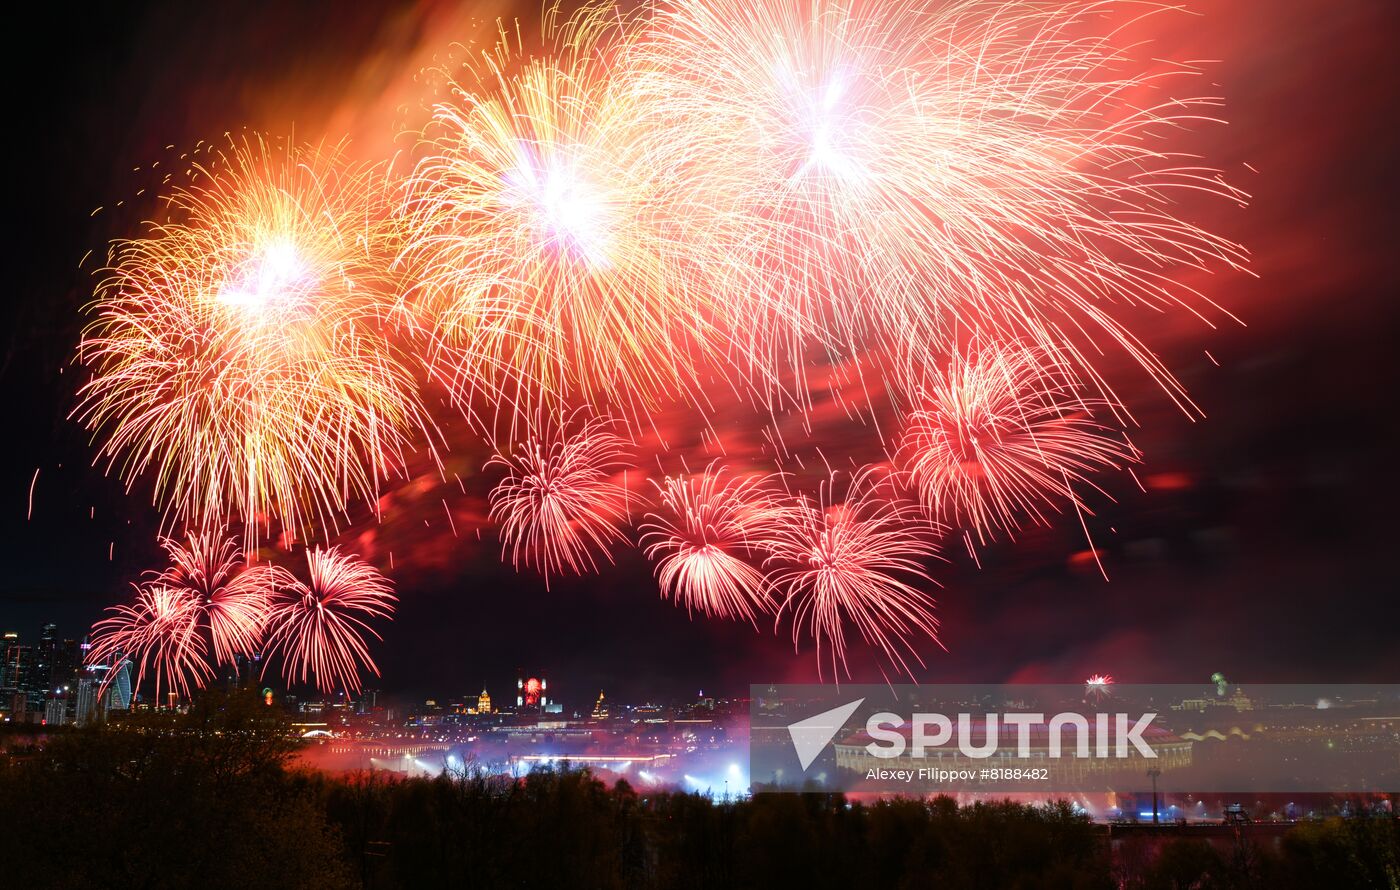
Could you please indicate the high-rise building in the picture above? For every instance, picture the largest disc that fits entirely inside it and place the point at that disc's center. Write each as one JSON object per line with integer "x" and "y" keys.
{"x": 369, "y": 700}
{"x": 56, "y": 710}
{"x": 483, "y": 701}
{"x": 14, "y": 673}
{"x": 119, "y": 691}
{"x": 9, "y": 665}
{"x": 531, "y": 693}
{"x": 102, "y": 688}
{"x": 86, "y": 710}
{"x": 67, "y": 665}
{"x": 41, "y": 675}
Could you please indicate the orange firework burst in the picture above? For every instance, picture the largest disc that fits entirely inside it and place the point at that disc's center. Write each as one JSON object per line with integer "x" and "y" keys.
{"x": 158, "y": 633}
{"x": 536, "y": 228}
{"x": 238, "y": 355}
{"x": 853, "y": 560}
{"x": 317, "y": 626}
{"x": 559, "y": 501}
{"x": 1004, "y": 433}
{"x": 705, "y": 537}
{"x": 881, "y": 176}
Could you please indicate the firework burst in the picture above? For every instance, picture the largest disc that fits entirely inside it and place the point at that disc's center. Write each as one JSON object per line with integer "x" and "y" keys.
{"x": 159, "y": 633}
{"x": 1097, "y": 687}
{"x": 1002, "y": 434}
{"x": 704, "y": 195}
{"x": 233, "y": 598}
{"x": 559, "y": 501}
{"x": 883, "y": 176}
{"x": 237, "y": 350}
{"x": 536, "y": 228}
{"x": 854, "y": 560}
{"x": 705, "y": 537}
{"x": 318, "y": 626}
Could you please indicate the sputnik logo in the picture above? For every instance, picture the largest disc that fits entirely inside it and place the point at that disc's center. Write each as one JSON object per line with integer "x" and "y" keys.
{"x": 812, "y": 734}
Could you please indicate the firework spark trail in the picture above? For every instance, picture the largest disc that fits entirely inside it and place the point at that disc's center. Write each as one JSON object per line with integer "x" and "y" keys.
{"x": 854, "y": 560}
{"x": 558, "y": 502}
{"x": 237, "y": 350}
{"x": 706, "y": 535}
{"x": 884, "y": 176}
{"x": 159, "y": 633}
{"x": 29, "y": 514}
{"x": 317, "y": 626}
{"x": 1004, "y": 433}
{"x": 234, "y": 598}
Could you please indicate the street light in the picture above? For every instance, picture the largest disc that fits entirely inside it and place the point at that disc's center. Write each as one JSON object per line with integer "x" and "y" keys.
{"x": 1152, "y": 774}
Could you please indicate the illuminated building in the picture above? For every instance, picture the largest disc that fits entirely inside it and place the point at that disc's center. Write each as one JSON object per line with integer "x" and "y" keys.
{"x": 40, "y": 678}
{"x": 93, "y": 702}
{"x": 119, "y": 691}
{"x": 1239, "y": 701}
{"x": 67, "y": 664}
{"x": 30, "y": 675}
{"x": 600, "y": 709}
{"x": 87, "y": 710}
{"x": 1192, "y": 704}
{"x": 56, "y": 710}
{"x": 14, "y": 669}
{"x": 369, "y": 700}
{"x": 531, "y": 693}
{"x": 483, "y": 702}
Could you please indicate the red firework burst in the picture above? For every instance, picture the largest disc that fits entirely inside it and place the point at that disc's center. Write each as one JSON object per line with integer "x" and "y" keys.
{"x": 559, "y": 501}
{"x": 1097, "y": 686}
{"x": 159, "y": 632}
{"x": 1004, "y": 432}
{"x": 234, "y": 598}
{"x": 706, "y": 535}
{"x": 318, "y": 626}
{"x": 853, "y": 560}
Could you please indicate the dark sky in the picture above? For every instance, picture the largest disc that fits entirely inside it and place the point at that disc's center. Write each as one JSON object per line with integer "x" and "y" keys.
{"x": 1265, "y": 547}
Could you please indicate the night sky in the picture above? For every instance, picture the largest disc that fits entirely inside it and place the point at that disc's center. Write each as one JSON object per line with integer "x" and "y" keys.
{"x": 1264, "y": 546}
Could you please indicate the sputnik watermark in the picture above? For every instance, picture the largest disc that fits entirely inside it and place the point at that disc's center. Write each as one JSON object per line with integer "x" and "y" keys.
{"x": 1112, "y": 734}
{"x": 1094, "y": 737}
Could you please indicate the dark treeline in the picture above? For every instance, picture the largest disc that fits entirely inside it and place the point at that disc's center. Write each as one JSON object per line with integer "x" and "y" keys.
{"x": 210, "y": 800}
